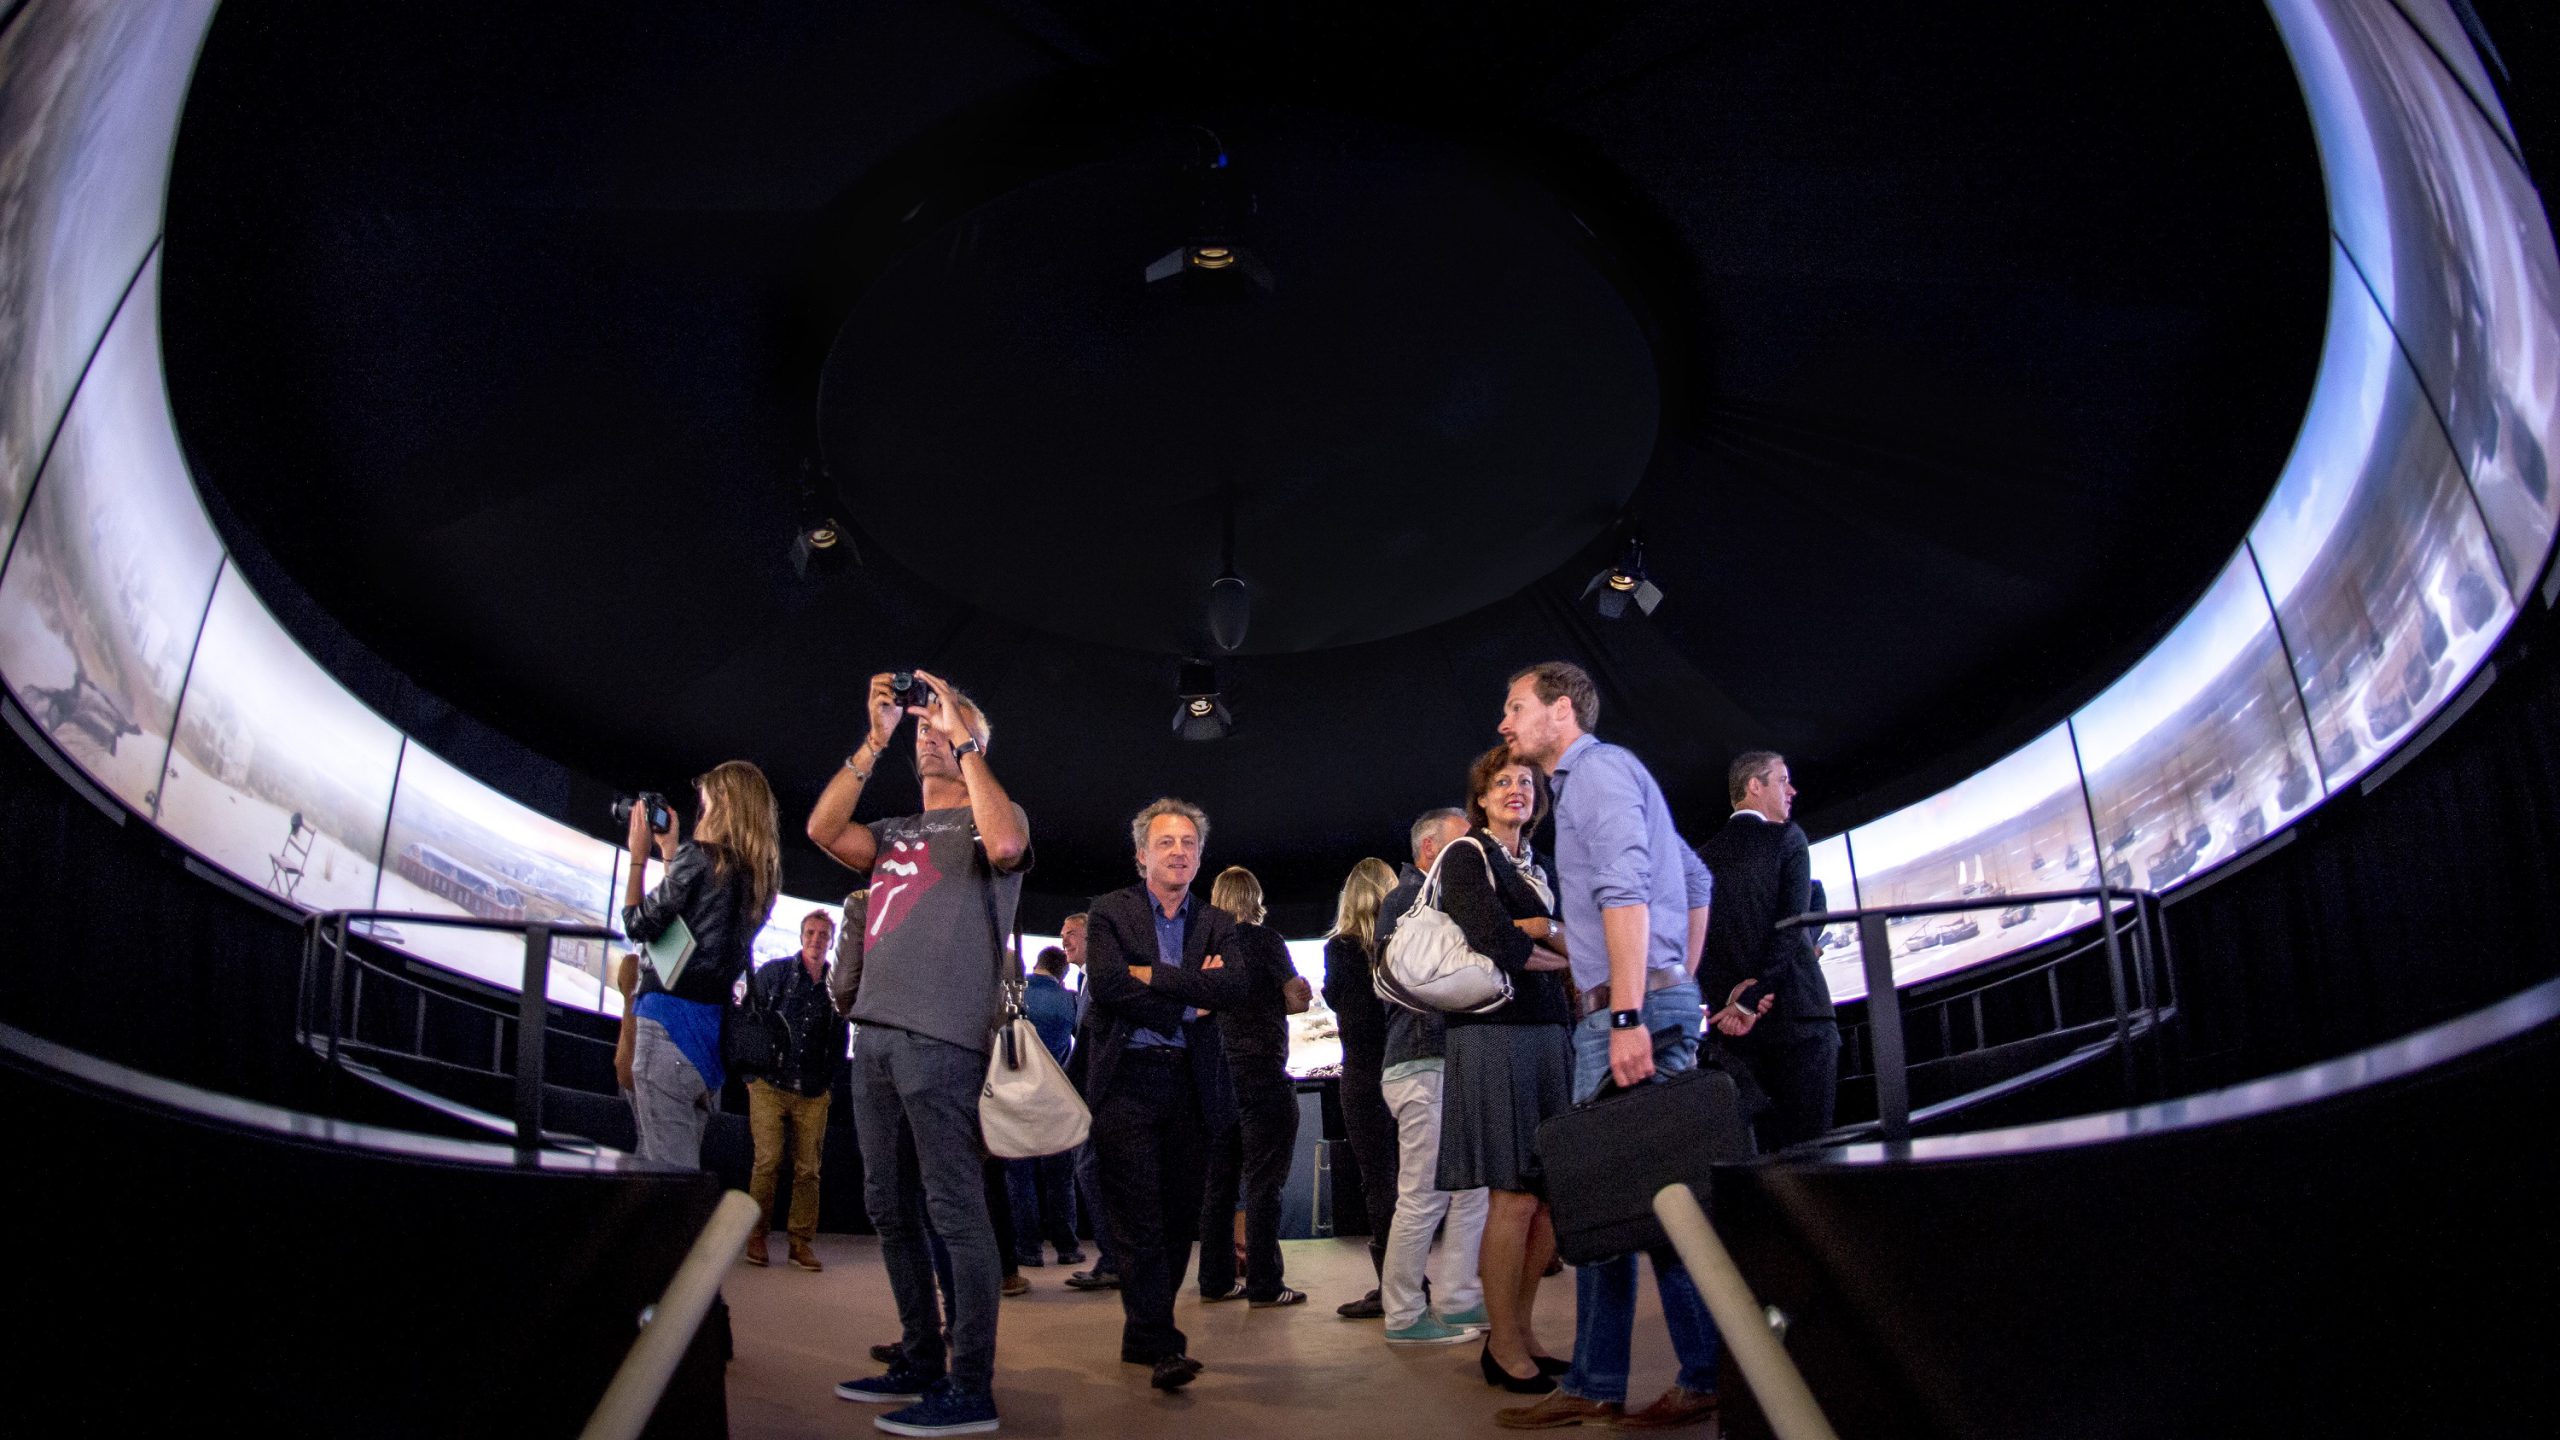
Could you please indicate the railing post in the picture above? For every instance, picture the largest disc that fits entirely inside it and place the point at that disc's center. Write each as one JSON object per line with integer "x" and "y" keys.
{"x": 337, "y": 1015}
{"x": 1884, "y": 1025}
{"x": 533, "y": 1005}
{"x": 2115, "y": 986}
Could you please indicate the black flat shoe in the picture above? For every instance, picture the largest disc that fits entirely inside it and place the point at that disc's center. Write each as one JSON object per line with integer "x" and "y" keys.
{"x": 1174, "y": 1371}
{"x": 1494, "y": 1374}
{"x": 1550, "y": 1365}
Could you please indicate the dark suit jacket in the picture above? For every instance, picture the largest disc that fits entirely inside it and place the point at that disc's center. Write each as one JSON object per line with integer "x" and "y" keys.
{"x": 1764, "y": 874}
{"x": 1120, "y": 932}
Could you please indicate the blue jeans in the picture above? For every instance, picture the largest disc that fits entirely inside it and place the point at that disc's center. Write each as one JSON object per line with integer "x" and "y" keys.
{"x": 1604, "y": 1312}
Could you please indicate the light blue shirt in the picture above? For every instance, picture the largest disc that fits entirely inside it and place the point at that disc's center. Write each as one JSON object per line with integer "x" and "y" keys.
{"x": 1615, "y": 846}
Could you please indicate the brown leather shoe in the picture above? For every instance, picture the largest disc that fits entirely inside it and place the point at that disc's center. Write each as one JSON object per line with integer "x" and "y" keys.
{"x": 1676, "y": 1407}
{"x": 1016, "y": 1285}
{"x": 755, "y": 1250}
{"x": 1555, "y": 1410}
{"x": 804, "y": 1257}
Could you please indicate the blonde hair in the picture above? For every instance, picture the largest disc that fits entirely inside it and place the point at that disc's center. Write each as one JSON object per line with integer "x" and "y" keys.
{"x": 1356, "y": 915}
{"x": 742, "y": 828}
{"x": 1238, "y": 893}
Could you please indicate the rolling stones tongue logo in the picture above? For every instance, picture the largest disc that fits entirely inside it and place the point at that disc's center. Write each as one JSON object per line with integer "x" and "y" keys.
{"x": 902, "y": 877}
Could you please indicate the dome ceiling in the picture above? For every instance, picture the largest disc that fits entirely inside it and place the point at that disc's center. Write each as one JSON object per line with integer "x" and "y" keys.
{"x": 1941, "y": 362}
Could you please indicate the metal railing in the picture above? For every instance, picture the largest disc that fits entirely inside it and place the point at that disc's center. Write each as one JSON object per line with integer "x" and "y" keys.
{"x": 324, "y": 943}
{"x": 2129, "y": 927}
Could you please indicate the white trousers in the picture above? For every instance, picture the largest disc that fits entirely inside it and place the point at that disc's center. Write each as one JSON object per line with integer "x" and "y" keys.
{"x": 1423, "y": 1208}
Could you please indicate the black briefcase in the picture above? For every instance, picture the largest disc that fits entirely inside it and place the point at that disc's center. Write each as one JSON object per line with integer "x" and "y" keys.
{"x": 1605, "y": 1159}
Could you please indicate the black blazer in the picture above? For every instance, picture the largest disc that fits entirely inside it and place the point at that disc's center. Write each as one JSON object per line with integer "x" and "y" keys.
{"x": 1764, "y": 874}
{"x": 1120, "y": 932}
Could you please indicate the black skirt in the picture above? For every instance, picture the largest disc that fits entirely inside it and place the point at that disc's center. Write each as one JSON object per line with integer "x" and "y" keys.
{"x": 1500, "y": 1083}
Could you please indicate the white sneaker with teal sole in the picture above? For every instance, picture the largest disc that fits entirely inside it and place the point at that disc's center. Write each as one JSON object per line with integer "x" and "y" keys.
{"x": 1429, "y": 1330}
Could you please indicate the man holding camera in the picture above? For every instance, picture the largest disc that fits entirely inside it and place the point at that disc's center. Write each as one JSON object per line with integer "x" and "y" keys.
{"x": 944, "y": 885}
{"x": 1154, "y": 963}
{"x": 1777, "y": 1013}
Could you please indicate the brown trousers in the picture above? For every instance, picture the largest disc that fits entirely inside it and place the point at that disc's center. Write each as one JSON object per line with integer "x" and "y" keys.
{"x": 768, "y": 1106}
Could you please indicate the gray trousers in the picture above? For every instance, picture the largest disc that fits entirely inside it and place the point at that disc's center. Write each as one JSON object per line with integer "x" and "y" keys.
{"x": 669, "y": 1102}
{"x": 915, "y": 1110}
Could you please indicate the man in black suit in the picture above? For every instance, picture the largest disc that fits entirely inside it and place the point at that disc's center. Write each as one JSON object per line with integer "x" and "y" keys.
{"x": 1777, "y": 1014}
{"x": 1155, "y": 961}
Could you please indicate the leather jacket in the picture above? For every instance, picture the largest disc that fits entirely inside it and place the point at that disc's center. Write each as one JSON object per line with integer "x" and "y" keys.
{"x": 714, "y": 910}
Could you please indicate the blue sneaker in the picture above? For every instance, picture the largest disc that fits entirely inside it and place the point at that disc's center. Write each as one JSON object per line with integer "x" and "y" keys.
{"x": 903, "y": 1385}
{"x": 1473, "y": 1319}
{"x": 946, "y": 1409}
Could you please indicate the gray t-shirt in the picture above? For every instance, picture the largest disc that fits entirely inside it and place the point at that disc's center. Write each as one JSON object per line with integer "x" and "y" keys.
{"x": 929, "y": 957}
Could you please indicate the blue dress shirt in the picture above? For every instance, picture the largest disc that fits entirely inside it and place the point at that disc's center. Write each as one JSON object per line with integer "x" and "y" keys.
{"x": 1169, "y": 930}
{"x": 1615, "y": 846}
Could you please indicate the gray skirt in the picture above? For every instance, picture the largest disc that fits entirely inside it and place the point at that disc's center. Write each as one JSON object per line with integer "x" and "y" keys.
{"x": 1499, "y": 1083}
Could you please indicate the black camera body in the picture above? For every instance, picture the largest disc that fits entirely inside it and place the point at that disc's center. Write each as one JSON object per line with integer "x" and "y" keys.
{"x": 905, "y": 690}
{"x": 662, "y": 816}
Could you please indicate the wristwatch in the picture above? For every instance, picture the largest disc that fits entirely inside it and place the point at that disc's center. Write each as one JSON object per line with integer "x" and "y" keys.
{"x": 1625, "y": 1019}
{"x": 965, "y": 747}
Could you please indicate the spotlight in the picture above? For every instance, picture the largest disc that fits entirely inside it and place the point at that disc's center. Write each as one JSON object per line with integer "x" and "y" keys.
{"x": 1212, "y": 257}
{"x": 819, "y": 545}
{"x": 1610, "y": 591}
{"x": 1202, "y": 714}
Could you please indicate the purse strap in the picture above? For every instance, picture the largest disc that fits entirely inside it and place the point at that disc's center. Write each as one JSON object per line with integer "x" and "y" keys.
{"x": 1009, "y": 984}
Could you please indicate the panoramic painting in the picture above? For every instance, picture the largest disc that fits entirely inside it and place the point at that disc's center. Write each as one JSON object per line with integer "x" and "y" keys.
{"x": 459, "y": 848}
{"x": 2016, "y": 828}
{"x": 2200, "y": 750}
{"x": 278, "y": 775}
{"x": 107, "y": 586}
{"x": 2386, "y": 588}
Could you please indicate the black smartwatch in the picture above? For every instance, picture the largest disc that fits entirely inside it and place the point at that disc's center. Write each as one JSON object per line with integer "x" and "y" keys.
{"x": 1626, "y": 1019}
{"x": 964, "y": 748}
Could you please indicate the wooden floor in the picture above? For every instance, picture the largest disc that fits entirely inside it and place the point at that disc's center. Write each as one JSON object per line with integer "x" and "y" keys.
{"x": 1296, "y": 1374}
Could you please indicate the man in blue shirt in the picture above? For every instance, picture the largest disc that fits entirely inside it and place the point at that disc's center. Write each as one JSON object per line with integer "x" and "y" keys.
{"x": 1040, "y": 1188}
{"x": 1634, "y": 898}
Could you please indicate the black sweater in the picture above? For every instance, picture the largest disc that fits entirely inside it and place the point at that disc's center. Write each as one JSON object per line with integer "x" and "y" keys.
{"x": 1484, "y": 905}
{"x": 1764, "y": 874}
{"x": 1357, "y": 1010}
{"x": 1256, "y": 1029}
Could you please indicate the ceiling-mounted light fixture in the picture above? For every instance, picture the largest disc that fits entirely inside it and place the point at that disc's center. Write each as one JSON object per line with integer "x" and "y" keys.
{"x": 1622, "y": 583}
{"x": 1230, "y": 602}
{"x": 818, "y": 543}
{"x": 1201, "y": 714}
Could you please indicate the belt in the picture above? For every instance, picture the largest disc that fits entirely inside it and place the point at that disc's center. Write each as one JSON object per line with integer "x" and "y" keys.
{"x": 1595, "y": 1001}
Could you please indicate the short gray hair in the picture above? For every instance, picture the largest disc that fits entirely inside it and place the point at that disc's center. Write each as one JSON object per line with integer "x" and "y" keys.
{"x": 1432, "y": 820}
{"x": 1198, "y": 817}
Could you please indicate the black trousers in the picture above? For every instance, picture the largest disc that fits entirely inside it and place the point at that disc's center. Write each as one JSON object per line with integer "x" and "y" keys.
{"x": 1153, "y": 1149}
{"x": 1798, "y": 1064}
{"x": 1372, "y": 1132}
{"x": 1251, "y": 1157}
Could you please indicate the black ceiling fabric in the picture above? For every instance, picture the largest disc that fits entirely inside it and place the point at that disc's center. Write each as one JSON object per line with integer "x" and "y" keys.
{"x": 1940, "y": 359}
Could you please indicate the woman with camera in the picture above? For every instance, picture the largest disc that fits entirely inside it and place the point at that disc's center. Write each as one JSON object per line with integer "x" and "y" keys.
{"x": 720, "y": 884}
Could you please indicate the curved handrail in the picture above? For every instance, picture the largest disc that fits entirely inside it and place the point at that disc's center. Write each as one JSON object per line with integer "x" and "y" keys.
{"x": 1884, "y": 1000}
{"x": 533, "y": 999}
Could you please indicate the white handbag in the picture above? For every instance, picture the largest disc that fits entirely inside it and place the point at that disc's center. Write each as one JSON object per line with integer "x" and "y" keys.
{"x": 1028, "y": 1108}
{"x": 1428, "y": 964}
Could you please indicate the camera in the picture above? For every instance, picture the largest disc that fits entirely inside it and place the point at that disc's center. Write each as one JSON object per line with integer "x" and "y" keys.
{"x": 662, "y": 817}
{"x": 905, "y": 690}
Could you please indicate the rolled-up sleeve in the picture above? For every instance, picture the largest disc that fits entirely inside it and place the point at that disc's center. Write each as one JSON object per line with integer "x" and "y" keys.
{"x": 1615, "y": 838}
{"x": 1702, "y": 882}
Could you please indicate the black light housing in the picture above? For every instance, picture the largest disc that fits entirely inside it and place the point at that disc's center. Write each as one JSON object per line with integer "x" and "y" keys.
{"x": 1201, "y": 715}
{"x": 819, "y": 544}
{"x": 1230, "y": 611}
{"x": 1617, "y": 585}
